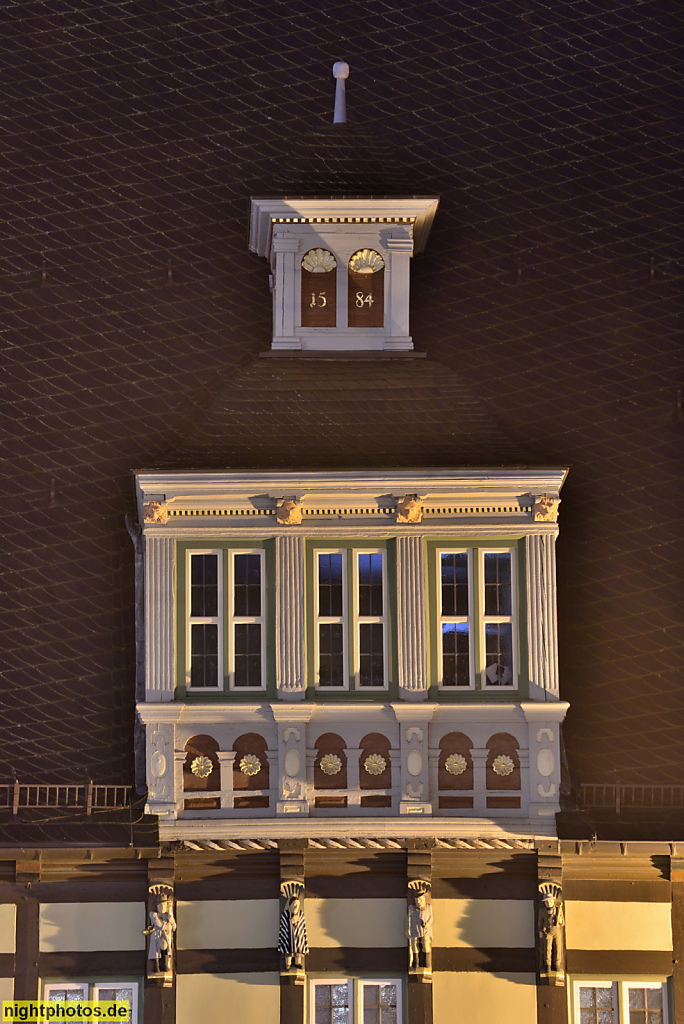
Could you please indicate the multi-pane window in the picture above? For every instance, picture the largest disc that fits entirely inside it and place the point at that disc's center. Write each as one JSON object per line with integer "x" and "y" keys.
{"x": 356, "y": 1001}
{"x": 498, "y": 594}
{"x": 205, "y": 598}
{"x": 455, "y": 625}
{"x": 247, "y": 620}
{"x": 355, "y": 628}
{"x": 620, "y": 1002}
{"x": 98, "y": 991}
{"x": 226, "y": 613}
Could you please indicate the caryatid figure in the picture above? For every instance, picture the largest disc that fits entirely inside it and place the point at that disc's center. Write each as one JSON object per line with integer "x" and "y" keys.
{"x": 419, "y": 927}
{"x": 292, "y": 940}
{"x": 160, "y": 930}
{"x": 551, "y": 930}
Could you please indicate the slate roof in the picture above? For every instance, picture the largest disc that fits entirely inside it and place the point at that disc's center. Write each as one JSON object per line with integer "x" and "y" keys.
{"x": 550, "y": 293}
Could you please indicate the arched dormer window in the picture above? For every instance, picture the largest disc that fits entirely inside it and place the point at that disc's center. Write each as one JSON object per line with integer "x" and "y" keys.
{"x": 366, "y": 299}
{"x": 319, "y": 289}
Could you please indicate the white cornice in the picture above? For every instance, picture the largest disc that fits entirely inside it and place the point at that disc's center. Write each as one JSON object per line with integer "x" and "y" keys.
{"x": 264, "y": 212}
{"x": 390, "y": 828}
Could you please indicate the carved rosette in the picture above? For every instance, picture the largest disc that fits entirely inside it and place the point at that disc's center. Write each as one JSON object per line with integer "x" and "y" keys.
{"x": 409, "y": 509}
{"x": 550, "y": 933}
{"x": 160, "y": 933}
{"x": 289, "y": 512}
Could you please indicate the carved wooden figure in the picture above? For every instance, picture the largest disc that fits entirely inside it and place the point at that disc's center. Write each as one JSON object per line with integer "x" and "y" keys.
{"x": 551, "y": 933}
{"x": 292, "y": 941}
{"x": 160, "y": 932}
{"x": 419, "y": 928}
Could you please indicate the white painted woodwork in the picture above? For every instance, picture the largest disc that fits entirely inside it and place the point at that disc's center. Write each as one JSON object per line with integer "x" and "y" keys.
{"x": 542, "y": 626}
{"x": 160, "y": 646}
{"x": 290, "y": 617}
{"x": 411, "y": 625}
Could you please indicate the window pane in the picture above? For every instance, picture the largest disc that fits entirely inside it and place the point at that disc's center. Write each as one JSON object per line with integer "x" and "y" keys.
{"x": 204, "y": 654}
{"x": 330, "y": 584}
{"x": 596, "y": 1005}
{"x": 455, "y": 654}
{"x": 247, "y": 585}
{"x": 379, "y": 1004}
{"x": 331, "y": 658}
{"x": 61, "y": 995}
{"x": 455, "y": 584}
{"x": 204, "y": 585}
{"x": 646, "y": 1006}
{"x": 331, "y": 1004}
{"x": 499, "y": 653}
{"x": 371, "y": 660}
{"x": 497, "y": 584}
{"x": 370, "y": 585}
{"x": 247, "y": 654}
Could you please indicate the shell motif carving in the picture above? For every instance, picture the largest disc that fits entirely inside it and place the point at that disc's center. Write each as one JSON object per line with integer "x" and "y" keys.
{"x": 545, "y": 762}
{"x": 250, "y": 764}
{"x": 456, "y": 764}
{"x": 318, "y": 261}
{"x": 331, "y": 764}
{"x": 503, "y": 765}
{"x": 201, "y": 767}
{"x": 366, "y": 261}
{"x": 414, "y": 762}
{"x": 292, "y": 762}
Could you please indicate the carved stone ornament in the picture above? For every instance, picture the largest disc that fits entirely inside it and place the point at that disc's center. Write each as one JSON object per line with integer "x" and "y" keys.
{"x": 318, "y": 261}
{"x": 289, "y": 512}
{"x": 409, "y": 509}
{"x": 503, "y": 765}
{"x": 250, "y": 764}
{"x": 551, "y": 933}
{"x": 160, "y": 932}
{"x": 375, "y": 764}
{"x": 201, "y": 767}
{"x": 419, "y": 928}
{"x": 456, "y": 764}
{"x": 545, "y": 509}
{"x": 293, "y": 944}
{"x": 366, "y": 261}
{"x": 155, "y": 512}
{"x": 331, "y": 764}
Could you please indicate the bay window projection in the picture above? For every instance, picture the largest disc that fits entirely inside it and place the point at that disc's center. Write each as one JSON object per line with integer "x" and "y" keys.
{"x": 246, "y": 620}
{"x": 205, "y": 616}
{"x": 455, "y": 626}
{"x": 498, "y": 612}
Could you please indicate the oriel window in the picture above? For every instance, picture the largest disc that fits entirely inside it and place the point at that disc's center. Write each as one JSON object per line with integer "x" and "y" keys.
{"x": 366, "y": 289}
{"x": 319, "y": 289}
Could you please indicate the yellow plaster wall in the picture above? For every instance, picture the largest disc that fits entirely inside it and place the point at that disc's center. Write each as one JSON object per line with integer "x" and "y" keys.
{"x": 227, "y": 924}
{"x": 594, "y": 925}
{"x": 228, "y": 998}
{"x": 6, "y": 989}
{"x": 483, "y": 923}
{"x": 81, "y": 927}
{"x": 8, "y": 927}
{"x": 482, "y": 998}
{"x": 358, "y": 923}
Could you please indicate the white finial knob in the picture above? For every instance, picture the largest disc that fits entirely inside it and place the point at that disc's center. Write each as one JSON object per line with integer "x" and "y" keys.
{"x": 340, "y": 73}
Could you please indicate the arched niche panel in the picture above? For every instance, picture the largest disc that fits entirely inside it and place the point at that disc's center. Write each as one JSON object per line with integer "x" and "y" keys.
{"x": 250, "y": 767}
{"x": 503, "y": 762}
{"x": 319, "y": 289}
{"x": 201, "y": 768}
{"x": 455, "y": 762}
{"x": 375, "y": 749}
{"x": 366, "y": 289}
{"x": 330, "y": 749}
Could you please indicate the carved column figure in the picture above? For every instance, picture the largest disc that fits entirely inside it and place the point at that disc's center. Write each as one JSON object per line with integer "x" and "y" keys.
{"x": 293, "y": 945}
{"x": 160, "y": 934}
{"x": 551, "y": 933}
{"x": 419, "y": 928}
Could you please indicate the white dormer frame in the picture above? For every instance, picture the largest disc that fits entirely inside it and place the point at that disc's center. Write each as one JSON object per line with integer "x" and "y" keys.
{"x": 283, "y": 230}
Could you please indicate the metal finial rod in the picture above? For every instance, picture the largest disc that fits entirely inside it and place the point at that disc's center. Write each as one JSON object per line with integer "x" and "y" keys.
{"x": 340, "y": 73}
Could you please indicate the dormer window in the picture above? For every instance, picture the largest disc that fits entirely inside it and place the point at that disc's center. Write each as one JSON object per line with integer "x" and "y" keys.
{"x": 366, "y": 292}
{"x": 319, "y": 289}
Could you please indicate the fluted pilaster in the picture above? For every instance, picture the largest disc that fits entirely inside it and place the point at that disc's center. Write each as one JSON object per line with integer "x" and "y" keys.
{"x": 542, "y": 629}
{"x": 159, "y": 617}
{"x": 413, "y": 682}
{"x": 290, "y": 612}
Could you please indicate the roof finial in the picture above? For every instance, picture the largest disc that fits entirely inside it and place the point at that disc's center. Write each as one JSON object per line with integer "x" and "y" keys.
{"x": 340, "y": 72}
